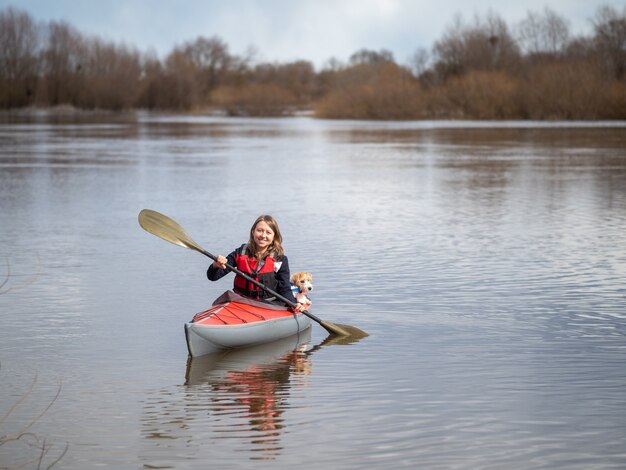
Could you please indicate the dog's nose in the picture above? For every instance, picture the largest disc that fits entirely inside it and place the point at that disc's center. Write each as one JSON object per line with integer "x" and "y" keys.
{"x": 309, "y": 288}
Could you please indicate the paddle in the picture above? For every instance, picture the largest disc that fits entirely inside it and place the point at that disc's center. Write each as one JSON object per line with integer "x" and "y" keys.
{"x": 169, "y": 230}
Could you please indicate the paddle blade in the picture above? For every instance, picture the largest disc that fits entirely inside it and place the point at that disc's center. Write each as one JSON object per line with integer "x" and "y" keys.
{"x": 167, "y": 229}
{"x": 334, "y": 329}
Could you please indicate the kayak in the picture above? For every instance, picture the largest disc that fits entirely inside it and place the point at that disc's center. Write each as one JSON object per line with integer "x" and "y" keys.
{"x": 235, "y": 321}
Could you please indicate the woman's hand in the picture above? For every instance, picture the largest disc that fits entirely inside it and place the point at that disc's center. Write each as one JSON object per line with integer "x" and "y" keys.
{"x": 220, "y": 263}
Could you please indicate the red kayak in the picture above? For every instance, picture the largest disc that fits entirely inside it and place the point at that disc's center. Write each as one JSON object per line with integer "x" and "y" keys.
{"x": 235, "y": 321}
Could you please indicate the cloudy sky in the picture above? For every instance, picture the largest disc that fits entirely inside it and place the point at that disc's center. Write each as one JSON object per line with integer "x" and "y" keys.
{"x": 285, "y": 30}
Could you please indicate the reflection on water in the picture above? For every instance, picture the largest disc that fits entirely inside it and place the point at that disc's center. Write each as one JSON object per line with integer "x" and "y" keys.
{"x": 240, "y": 395}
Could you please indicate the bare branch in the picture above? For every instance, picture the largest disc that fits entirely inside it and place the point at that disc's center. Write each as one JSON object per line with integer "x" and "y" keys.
{"x": 6, "y": 279}
{"x": 17, "y": 403}
{"x": 47, "y": 407}
{"x": 67, "y": 446}
{"x": 29, "y": 438}
{"x": 28, "y": 283}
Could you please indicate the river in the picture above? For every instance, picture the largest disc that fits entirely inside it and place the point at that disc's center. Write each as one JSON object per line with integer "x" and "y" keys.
{"x": 486, "y": 260}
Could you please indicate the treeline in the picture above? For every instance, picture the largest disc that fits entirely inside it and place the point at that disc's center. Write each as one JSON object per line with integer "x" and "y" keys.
{"x": 484, "y": 69}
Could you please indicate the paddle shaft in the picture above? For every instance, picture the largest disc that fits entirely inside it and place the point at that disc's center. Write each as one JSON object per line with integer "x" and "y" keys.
{"x": 260, "y": 285}
{"x": 169, "y": 230}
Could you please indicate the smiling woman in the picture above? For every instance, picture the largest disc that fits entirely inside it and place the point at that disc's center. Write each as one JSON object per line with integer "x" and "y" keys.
{"x": 262, "y": 258}
{"x": 169, "y": 230}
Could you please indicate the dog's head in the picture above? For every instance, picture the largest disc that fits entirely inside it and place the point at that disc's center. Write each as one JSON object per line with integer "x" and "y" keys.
{"x": 303, "y": 280}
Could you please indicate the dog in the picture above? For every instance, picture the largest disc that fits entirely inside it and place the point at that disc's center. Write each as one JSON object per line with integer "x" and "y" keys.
{"x": 302, "y": 285}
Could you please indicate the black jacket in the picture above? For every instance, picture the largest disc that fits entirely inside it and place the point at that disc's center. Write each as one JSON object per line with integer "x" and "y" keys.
{"x": 282, "y": 275}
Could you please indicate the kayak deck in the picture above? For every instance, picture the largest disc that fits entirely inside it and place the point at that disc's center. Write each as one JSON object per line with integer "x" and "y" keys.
{"x": 235, "y": 313}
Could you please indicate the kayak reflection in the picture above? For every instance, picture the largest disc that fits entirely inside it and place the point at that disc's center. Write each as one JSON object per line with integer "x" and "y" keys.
{"x": 250, "y": 389}
{"x": 240, "y": 398}
{"x": 217, "y": 366}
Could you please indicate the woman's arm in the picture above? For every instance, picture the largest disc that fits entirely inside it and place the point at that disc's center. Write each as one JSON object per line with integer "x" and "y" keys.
{"x": 214, "y": 273}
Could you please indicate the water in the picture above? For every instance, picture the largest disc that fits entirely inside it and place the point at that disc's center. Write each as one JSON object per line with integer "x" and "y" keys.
{"x": 487, "y": 261}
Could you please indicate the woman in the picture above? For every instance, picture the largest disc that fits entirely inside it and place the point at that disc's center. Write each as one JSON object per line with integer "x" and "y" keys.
{"x": 263, "y": 259}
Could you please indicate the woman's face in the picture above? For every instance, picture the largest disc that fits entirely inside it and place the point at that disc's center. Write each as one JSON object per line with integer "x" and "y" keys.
{"x": 263, "y": 235}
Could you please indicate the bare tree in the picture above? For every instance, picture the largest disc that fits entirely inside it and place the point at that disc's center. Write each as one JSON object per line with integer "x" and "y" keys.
{"x": 543, "y": 33}
{"x": 485, "y": 45}
{"x": 113, "y": 73}
{"x": 151, "y": 73}
{"x": 19, "y": 62}
{"x": 178, "y": 84}
{"x": 449, "y": 51}
{"x": 211, "y": 60}
{"x": 419, "y": 61}
{"x": 610, "y": 38}
{"x": 504, "y": 53}
{"x": 64, "y": 59}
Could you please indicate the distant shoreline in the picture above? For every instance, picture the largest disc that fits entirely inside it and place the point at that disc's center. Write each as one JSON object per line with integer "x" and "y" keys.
{"x": 70, "y": 111}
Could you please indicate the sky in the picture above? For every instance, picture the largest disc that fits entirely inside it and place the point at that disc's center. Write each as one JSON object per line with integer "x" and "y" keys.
{"x": 288, "y": 30}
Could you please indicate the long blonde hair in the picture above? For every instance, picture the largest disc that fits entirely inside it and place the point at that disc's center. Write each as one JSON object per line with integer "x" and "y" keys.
{"x": 276, "y": 248}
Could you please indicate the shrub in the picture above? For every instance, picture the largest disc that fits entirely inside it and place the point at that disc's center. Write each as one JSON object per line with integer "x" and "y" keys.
{"x": 255, "y": 100}
{"x": 386, "y": 91}
{"x": 567, "y": 90}
{"x": 477, "y": 95}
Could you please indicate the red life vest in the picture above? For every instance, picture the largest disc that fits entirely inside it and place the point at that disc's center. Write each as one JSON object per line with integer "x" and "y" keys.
{"x": 259, "y": 270}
